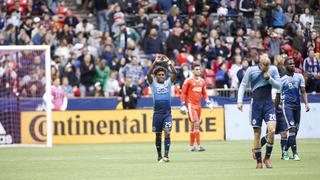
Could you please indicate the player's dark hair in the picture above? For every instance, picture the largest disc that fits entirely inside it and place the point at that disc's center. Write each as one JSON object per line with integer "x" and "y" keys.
{"x": 159, "y": 69}
{"x": 194, "y": 65}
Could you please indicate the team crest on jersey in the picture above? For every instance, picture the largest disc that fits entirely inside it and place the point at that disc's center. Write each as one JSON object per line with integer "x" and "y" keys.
{"x": 291, "y": 123}
{"x": 254, "y": 121}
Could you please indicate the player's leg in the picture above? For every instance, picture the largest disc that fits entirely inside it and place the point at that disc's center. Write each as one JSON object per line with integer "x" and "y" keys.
{"x": 294, "y": 147}
{"x": 289, "y": 117}
{"x": 270, "y": 119}
{"x": 256, "y": 122}
{"x": 192, "y": 138}
{"x": 157, "y": 129}
{"x": 284, "y": 144}
{"x": 257, "y": 147}
{"x": 167, "y": 140}
{"x": 197, "y": 113}
{"x": 192, "y": 133}
{"x": 281, "y": 128}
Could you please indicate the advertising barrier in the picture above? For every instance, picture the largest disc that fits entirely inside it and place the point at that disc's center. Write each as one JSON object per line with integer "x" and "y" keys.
{"x": 238, "y": 127}
{"x": 114, "y": 126}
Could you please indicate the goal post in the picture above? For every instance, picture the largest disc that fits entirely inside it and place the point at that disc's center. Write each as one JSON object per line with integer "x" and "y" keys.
{"x": 25, "y": 76}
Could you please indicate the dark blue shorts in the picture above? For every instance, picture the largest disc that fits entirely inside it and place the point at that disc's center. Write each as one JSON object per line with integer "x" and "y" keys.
{"x": 262, "y": 110}
{"x": 291, "y": 116}
{"x": 281, "y": 122}
{"x": 161, "y": 121}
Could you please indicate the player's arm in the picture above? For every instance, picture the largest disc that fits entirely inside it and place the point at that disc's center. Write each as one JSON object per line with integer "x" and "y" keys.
{"x": 274, "y": 79}
{"x": 185, "y": 86}
{"x": 149, "y": 74}
{"x": 206, "y": 98}
{"x": 305, "y": 98}
{"x": 172, "y": 68}
{"x": 304, "y": 93}
{"x": 277, "y": 101}
{"x": 242, "y": 88}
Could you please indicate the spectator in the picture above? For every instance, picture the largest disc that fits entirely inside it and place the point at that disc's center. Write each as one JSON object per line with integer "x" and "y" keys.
{"x": 311, "y": 67}
{"x": 113, "y": 87}
{"x": 174, "y": 15}
{"x": 100, "y": 6}
{"x": 235, "y": 25}
{"x": 102, "y": 74}
{"x": 125, "y": 34}
{"x": 279, "y": 19}
{"x": 67, "y": 88}
{"x": 236, "y": 66}
{"x": 128, "y": 94}
{"x": 274, "y": 44}
{"x": 248, "y": 8}
{"x": 70, "y": 74}
{"x": 242, "y": 71}
{"x": 152, "y": 43}
{"x": 98, "y": 92}
{"x": 140, "y": 22}
{"x": 306, "y": 18}
{"x": 266, "y": 12}
{"x": 221, "y": 50}
{"x": 87, "y": 71}
{"x": 134, "y": 71}
{"x": 222, "y": 78}
{"x": 85, "y": 27}
{"x": 70, "y": 19}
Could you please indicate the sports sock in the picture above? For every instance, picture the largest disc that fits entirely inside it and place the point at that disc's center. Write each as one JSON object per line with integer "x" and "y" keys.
{"x": 263, "y": 140}
{"x": 284, "y": 144}
{"x": 167, "y": 142}
{"x": 192, "y": 136}
{"x": 158, "y": 144}
{"x": 197, "y": 135}
{"x": 257, "y": 152}
{"x": 292, "y": 141}
{"x": 268, "y": 150}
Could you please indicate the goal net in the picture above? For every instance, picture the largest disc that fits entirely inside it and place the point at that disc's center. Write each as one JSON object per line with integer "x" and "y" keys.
{"x": 25, "y": 77}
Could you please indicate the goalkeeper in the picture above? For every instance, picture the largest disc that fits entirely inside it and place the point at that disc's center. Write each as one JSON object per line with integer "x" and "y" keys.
{"x": 192, "y": 90}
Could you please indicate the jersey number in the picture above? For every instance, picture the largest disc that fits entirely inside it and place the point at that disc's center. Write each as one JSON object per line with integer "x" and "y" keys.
{"x": 272, "y": 117}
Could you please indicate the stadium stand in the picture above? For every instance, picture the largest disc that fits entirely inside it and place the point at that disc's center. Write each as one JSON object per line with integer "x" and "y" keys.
{"x": 85, "y": 34}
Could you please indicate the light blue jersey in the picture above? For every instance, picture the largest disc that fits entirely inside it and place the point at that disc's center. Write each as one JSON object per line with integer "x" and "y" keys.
{"x": 161, "y": 96}
{"x": 261, "y": 88}
{"x": 290, "y": 89}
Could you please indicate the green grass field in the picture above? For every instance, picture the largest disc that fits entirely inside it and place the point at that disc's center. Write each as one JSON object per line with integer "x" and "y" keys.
{"x": 222, "y": 160}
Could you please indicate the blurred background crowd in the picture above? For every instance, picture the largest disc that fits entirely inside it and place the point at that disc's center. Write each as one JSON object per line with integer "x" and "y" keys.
{"x": 104, "y": 48}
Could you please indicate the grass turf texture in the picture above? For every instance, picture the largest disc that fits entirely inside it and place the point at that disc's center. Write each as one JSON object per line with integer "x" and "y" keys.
{"x": 222, "y": 160}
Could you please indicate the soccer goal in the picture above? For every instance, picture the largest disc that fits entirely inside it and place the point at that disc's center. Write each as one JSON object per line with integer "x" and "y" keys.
{"x": 25, "y": 76}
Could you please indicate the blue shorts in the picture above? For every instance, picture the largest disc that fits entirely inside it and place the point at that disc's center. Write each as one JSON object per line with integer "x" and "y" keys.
{"x": 281, "y": 122}
{"x": 161, "y": 121}
{"x": 262, "y": 110}
{"x": 291, "y": 116}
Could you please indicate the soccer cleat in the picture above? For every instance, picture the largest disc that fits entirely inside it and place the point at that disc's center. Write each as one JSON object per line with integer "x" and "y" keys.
{"x": 259, "y": 165}
{"x": 160, "y": 160}
{"x": 192, "y": 149}
{"x": 165, "y": 159}
{"x": 267, "y": 163}
{"x": 200, "y": 148}
{"x": 296, "y": 157}
{"x": 285, "y": 155}
{"x": 253, "y": 154}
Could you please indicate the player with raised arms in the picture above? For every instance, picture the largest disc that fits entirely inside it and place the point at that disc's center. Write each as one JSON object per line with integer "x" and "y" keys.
{"x": 161, "y": 90}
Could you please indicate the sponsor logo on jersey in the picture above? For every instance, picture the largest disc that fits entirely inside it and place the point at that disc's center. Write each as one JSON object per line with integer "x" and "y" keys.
{"x": 197, "y": 89}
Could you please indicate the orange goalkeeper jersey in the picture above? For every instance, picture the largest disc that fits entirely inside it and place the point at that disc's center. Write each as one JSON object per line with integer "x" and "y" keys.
{"x": 192, "y": 90}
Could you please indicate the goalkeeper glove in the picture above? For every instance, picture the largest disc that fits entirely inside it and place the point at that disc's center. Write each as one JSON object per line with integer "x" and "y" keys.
{"x": 209, "y": 104}
{"x": 183, "y": 108}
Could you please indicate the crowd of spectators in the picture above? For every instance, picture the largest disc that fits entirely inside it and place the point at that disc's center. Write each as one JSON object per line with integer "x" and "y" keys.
{"x": 224, "y": 36}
